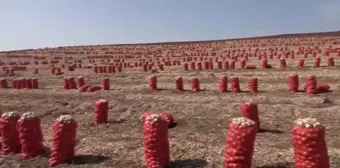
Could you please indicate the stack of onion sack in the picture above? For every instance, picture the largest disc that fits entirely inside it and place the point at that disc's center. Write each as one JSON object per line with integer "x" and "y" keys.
{"x": 240, "y": 142}
{"x": 317, "y": 61}
{"x": 311, "y": 84}
{"x": 301, "y": 63}
{"x": 30, "y": 135}
{"x": 156, "y": 143}
{"x": 152, "y": 82}
{"x": 106, "y": 83}
{"x": 185, "y": 66}
{"x": 199, "y": 66}
{"x": 166, "y": 116}
{"x": 264, "y": 63}
{"x": 283, "y": 63}
{"x": 310, "y": 150}
{"x": 69, "y": 83}
{"x": 195, "y": 84}
{"x": 330, "y": 62}
{"x": 293, "y": 82}
{"x": 9, "y": 135}
{"x": 223, "y": 87}
{"x": 253, "y": 85}
{"x": 179, "y": 83}
{"x": 81, "y": 81}
{"x": 101, "y": 111}
{"x": 64, "y": 140}
{"x": 235, "y": 84}
{"x": 250, "y": 110}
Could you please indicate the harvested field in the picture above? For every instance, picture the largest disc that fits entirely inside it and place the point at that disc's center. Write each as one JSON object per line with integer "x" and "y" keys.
{"x": 203, "y": 117}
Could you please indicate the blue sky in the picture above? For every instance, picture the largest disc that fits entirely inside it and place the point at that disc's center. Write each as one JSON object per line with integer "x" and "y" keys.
{"x": 50, "y": 23}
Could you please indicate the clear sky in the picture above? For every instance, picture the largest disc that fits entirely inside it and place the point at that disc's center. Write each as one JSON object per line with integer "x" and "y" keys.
{"x": 51, "y": 23}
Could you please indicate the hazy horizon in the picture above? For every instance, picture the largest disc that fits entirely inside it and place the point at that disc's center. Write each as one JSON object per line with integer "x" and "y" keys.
{"x": 39, "y": 23}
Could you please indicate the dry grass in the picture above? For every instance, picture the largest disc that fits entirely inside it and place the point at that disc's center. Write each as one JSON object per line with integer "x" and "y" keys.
{"x": 203, "y": 117}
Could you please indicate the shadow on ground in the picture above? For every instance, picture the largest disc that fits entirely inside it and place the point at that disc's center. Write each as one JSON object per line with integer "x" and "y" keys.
{"x": 272, "y": 131}
{"x": 88, "y": 159}
{"x": 189, "y": 163}
{"x": 278, "y": 165}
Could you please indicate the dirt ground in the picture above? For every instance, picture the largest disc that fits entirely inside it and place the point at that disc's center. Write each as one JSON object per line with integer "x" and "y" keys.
{"x": 203, "y": 117}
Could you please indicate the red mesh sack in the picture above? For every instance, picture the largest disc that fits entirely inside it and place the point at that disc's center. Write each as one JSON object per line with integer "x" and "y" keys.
{"x": 66, "y": 83}
{"x": 219, "y": 64}
{"x": 179, "y": 83}
{"x": 311, "y": 84}
{"x": 250, "y": 110}
{"x": 30, "y": 135}
{"x": 29, "y": 83}
{"x": 330, "y": 62}
{"x": 113, "y": 69}
{"x": 53, "y": 70}
{"x": 19, "y": 83}
{"x": 161, "y": 67}
{"x": 223, "y": 84}
{"x": 64, "y": 140}
{"x": 109, "y": 70}
{"x": 232, "y": 64}
{"x": 301, "y": 63}
{"x": 3, "y": 83}
{"x": 106, "y": 84}
{"x": 0, "y": 119}
{"x": 243, "y": 64}
{"x": 101, "y": 111}
{"x": 94, "y": 88}
{"x": 308, "y": 138}
{"x": 156, "y": 143}
{"x": 317, "y": 61}
{"x": 10, "y": 142}
{"x": 226, "y": 65}
{"x": 36, "y": 71}
{"x": 23, "y": 83}
{"x": 59, "y": 71}
{"x": 199, "y": 66}
{"x": 322, "y": 87}
{"x": 264, "y": 63}
{"x": 35, "y": 83}
{"x": 72, "y": 83}
{"x": 195, "y": 85}
{"x": 185, "y": 66}
{"x": 293, "y": 82}
{"x": 211, "y": 65}
{"x": 250, "y": 67}
{"x": 145, "y": 68}
{"x": 168, "y": 118}
{"x": 153, "y": 82}
{"x": 235, "y": 84}
{"x": 253, "y": 85}
{"x": 144, "y": 115}
{"x": 105, "y": 69}
{"x": 206, "y": 65}
{"x": 81, "y": 81}
{"x": 193, "y": 66}
{"x": 101, "y": 69}
{"x": 84, "y": 88}
{"x": 283, "y": 64}
{"x": 240, "y": 141}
